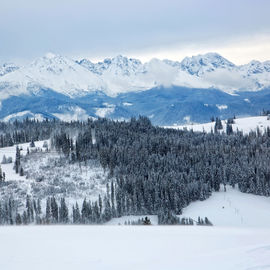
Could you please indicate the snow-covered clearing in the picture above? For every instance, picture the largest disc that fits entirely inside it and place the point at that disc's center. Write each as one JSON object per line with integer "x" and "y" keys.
{"x": 232, "y": 209}
{"x": 133, "y": 247}
{"x": 242, "y": 124}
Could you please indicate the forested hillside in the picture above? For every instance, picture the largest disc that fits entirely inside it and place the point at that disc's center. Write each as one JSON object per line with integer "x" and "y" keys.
{"x": 150, "y": 170}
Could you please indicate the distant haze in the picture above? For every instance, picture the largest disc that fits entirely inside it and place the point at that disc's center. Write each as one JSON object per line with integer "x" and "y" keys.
{"x": 238, "y": 30}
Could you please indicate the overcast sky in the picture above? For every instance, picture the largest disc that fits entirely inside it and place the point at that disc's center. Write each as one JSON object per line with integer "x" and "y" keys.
{"x": 96, "y": 29}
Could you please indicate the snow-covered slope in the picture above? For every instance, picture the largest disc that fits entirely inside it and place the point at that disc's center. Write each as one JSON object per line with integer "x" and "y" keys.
{"x": 232, "y": 209}
{"x": 133, "y": 248}
{"x": 245, "y": 124}
{"x": 53, "y": 72}
{"x": 201, "y": 71}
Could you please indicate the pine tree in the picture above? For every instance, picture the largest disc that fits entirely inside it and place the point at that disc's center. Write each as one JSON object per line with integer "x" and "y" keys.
{"x": 63, "y": 212}
{"x": 17, "y": 160}
{"x": 18, "y": 219}
{"x": 48, "y": 211}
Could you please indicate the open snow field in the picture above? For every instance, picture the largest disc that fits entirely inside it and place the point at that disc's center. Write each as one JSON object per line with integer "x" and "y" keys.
{"x": 133, "y": 247}
{"x": 242, "y": 124}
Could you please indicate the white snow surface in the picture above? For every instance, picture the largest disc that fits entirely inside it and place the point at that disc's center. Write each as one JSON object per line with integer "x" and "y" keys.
{"x": 133, "y": 248}
{"x": 245, "y": 124}
{"x": 121, "y": 74}
{"x": 232, "y": 209}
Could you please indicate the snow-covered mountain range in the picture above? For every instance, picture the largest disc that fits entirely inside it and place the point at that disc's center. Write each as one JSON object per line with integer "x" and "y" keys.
{"x": 122, "y": 74}
{"x": 120, "y": 80}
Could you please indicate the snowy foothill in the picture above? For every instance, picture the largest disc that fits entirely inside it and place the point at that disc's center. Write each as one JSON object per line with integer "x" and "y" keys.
{"x": 245, "y": 124}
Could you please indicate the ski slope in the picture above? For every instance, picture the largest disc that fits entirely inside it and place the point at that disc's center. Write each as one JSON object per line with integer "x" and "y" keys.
{"x": 133, "y": 248}
{"x": 245, "y": 124}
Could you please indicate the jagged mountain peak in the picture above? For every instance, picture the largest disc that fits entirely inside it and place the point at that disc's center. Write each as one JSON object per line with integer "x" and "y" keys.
{"x": 7, "y": 68}
{"x": 121, "y": 74}
{"x": 256, "y": 67}
{"x": 50, "y": 60}
{"x": 119, "y": 65}
{"x": 199, "y": 64}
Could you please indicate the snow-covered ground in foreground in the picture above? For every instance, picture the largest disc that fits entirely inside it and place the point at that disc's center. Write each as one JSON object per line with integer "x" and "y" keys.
{"x": 232, "y": 209}
{"x": 242, "y": 124}
{"x": 133, "y": 247}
